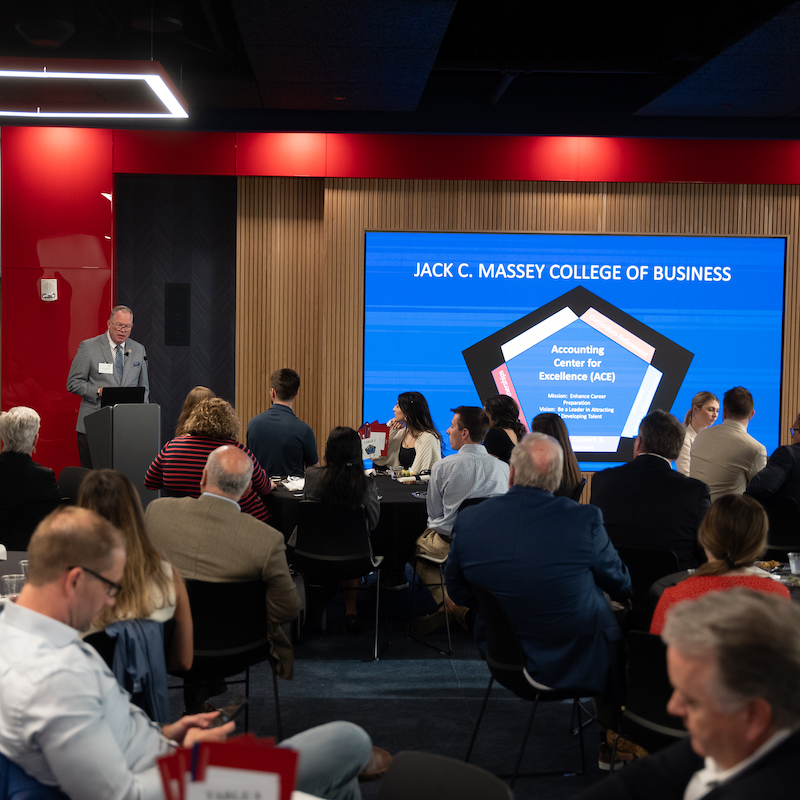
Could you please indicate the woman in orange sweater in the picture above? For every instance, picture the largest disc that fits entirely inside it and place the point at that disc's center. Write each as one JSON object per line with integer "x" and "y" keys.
{"x": 733, "y": 534}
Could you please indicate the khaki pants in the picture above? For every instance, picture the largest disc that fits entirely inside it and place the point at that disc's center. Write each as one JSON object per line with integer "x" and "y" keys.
{"x": 432, "y": 544}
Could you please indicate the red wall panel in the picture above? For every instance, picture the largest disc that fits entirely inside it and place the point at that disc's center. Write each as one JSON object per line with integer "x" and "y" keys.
{"x": 39, "y": 342}
{"x": 287, "y": 154}
{"x": 52, "y": 184}
{"x": 175, "y": 153}
{"x": 452, "y": 157}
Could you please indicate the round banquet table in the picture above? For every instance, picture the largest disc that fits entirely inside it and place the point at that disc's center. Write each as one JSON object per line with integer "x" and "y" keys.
{"x": 403, "y": 517}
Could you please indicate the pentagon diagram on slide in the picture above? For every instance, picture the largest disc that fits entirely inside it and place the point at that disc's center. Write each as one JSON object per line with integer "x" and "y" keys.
{"x": 582, "y": 358}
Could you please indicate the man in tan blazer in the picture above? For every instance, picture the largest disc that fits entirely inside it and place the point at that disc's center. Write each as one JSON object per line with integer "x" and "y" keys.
{"x": 725, "y": 456}
{"x": 209, "y": 539}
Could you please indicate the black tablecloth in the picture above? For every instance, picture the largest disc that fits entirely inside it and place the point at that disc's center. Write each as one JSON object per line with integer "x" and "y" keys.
{"x": 403, "y": 517}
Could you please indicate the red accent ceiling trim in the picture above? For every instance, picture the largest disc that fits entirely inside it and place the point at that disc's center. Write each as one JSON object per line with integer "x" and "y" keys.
{"x": 531, "y": 158}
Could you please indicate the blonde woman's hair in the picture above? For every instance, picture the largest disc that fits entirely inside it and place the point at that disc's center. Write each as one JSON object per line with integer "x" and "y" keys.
{"x": 734, "y": 531}
{"x": 214, "y": 418}
{"x": 197, "y": 395}
{"x": 110, "y": 494}
{"x": 699, "y": 400}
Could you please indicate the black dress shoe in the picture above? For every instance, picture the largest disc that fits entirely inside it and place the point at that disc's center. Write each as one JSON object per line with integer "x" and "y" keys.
{"x": 351, "y": 626}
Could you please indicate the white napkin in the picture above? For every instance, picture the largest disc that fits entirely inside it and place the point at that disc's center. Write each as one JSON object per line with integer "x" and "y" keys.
{"x": 295, "y": 484}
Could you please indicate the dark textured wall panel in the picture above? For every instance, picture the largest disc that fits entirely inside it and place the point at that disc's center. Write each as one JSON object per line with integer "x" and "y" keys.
{"x": 175, "y": 229}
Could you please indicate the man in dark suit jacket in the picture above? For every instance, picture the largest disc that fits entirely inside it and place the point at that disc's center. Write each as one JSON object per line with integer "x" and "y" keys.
{"x": 548, "y": 561}
{"x": 110, "y": 359}
{"x": 781, "y": 476}
{"x": 645, "y": 503}
{"x": 28, "y": 491}
{"x": 734, "y": 663}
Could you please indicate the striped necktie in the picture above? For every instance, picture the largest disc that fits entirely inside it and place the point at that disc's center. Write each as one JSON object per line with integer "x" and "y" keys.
{"x": 118, "y": 364}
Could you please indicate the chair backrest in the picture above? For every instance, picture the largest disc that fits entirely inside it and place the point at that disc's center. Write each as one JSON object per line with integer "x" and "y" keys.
{"x": 645, "y": 717}
{"x": 784, "y": 523}
{"x": 16, "y": 784}
{"x": 470, "y": 501}
{"x": 70, "y": 480}
{"x": 578, "y": 491}
{"x": 646, "y": 566}
{"x": 331, "y": 540}
{"x": 425, "y": 776}
{"x": 230, "y": 626}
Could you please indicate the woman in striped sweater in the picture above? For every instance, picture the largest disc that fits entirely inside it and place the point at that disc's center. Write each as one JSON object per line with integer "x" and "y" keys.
{"x": 177, "y": 469}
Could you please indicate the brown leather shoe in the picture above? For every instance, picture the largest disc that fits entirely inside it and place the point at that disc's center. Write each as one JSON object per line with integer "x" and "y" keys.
{"x": 419, "y": 626}
{"x": 459, "y": 614}
{"x": 378, "y": 764}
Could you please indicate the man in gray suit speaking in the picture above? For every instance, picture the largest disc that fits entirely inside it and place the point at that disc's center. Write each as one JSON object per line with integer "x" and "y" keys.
{"x": 110, "y": 359}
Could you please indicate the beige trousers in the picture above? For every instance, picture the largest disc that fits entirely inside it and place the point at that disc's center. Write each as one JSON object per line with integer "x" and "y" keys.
{"x": 432, "y": 544}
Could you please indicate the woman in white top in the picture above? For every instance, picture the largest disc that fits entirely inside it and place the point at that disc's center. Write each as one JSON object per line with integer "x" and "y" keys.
{"x": 704, "y": 412}
{"x": 414, "y": 442}
{"x": 151, "y": 587}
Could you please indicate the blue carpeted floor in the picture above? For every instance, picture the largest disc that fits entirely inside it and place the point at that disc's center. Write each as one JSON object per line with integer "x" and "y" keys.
{"x": 414, "y": 698}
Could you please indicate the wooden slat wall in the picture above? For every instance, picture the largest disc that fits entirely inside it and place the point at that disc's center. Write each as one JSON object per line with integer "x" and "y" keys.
{"x": 301, "y": 261}
{"x": 279, "y": 261}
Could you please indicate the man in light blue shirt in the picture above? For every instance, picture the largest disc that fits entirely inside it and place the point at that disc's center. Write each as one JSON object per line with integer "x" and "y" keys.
{"x": 471, "y": 472}
{"x": 64, "y": 719}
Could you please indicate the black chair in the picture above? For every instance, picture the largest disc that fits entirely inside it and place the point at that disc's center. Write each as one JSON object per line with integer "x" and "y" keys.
{"x": 506, "y": 662}
{"x": 424, "y": 776}
{"x": 576, "y": 492}
{"x": 230, "y": 636}
{"x": 646, "y": 565}
{"x": 333, "y": 545}
{"x": 784, "y": 526}
{"x": 439, "y": 563}
{"x": 644, "y": 719}
{"x": 69, "y": 481}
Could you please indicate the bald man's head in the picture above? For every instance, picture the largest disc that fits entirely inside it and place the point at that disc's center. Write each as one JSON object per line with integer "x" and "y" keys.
{"x": 228, "y": 472}
{"x": 538, "y": 461}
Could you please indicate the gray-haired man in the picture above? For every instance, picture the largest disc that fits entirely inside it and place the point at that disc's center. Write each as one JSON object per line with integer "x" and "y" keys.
{"x": 734, "y": 663}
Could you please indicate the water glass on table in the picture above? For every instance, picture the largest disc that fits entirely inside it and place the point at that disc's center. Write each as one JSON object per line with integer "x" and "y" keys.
{"x": 12, "y": 585}
{"x": 794, "y": 563}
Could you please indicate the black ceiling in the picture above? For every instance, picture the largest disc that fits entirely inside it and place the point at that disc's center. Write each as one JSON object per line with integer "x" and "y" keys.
{"x": 695, "y": 68}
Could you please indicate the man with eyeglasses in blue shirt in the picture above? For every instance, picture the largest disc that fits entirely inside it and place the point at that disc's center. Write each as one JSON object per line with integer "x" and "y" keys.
{"x": 110, "y": 359}
{"x": 65, "y": 720}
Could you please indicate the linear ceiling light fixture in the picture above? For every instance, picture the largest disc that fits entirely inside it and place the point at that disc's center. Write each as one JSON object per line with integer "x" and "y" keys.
{"x": 62, "y": 88}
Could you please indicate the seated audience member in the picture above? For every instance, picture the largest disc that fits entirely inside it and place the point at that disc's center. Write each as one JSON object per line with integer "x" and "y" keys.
{"x": 207, "y": 539}
{"x": 552, "y": 425}
{"x": 726, "y": 457}
{"x": 470, "y": 472}
{"x": 645, "y": 503}
{"x": 505, "y": 429}
{"x": 64, "y": 719}
{"x": 414, "y": 442}
{"x": 151, "y": 587}
{"x": 734, "y": 663}
{"x": 548, "y": 560}
{"x": 28, "y": 491}
{"x": 342, "y": 483}
{"x": 283, "y": 444}
{"x": 733, "y": 535}
{"x": 177, "y": 469}
{"x": 704, "y": 412}
{"x": 781, "y": 476}
{"x": 195, "y": 396}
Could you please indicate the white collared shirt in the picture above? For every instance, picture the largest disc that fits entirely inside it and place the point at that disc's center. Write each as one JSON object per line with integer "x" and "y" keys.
{"x": 64, "y": 718}
{"x": 221, "y": 497}
{"x": 711, "y": 776}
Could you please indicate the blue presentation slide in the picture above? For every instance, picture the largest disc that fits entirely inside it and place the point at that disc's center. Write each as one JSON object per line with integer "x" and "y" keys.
{"x": 598, "y": 328}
